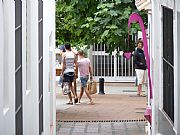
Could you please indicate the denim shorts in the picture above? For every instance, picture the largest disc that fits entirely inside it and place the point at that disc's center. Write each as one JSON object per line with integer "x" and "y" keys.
{"x": 84, "y": 81}
{"x": 68, "y": 77}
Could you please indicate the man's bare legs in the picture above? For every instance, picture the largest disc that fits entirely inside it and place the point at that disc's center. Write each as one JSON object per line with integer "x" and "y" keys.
{"x": 70, "y": 98}
{"x": 71, "y": 87}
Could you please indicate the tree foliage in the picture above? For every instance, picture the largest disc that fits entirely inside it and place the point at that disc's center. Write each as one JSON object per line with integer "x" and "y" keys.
{"x": 85, "y": 22}
{"x": 70, "y": 16}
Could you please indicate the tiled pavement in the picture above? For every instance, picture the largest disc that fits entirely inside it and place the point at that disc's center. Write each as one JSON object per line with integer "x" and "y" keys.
{"x": 101, "y": 128}
{"x": 118, "y": 112}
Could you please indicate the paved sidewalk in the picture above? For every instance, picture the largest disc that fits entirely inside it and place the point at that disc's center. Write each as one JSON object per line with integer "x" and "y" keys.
{"x": 101, "y": 128}
{"x": 106, "y": 107}
{"x": 120, "y": 111}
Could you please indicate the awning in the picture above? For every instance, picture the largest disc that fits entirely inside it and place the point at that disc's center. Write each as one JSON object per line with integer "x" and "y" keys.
{"x": 143, "y": 4}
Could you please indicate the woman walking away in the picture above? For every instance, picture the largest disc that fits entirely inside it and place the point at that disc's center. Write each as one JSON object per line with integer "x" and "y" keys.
{"x": 85, "y": 70}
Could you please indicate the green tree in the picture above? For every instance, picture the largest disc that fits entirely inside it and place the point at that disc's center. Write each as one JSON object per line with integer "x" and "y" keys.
{"x": 85, "y": 22}
{"x": 70, "y": 16}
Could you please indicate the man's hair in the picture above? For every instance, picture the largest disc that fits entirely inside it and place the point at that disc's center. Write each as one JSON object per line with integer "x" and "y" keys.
{"x": 81, "y": 52}
{"x": 67, "y": 46}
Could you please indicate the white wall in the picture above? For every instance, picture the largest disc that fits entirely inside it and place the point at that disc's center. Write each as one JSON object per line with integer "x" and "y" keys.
{"x": 8, "y": 76}
{"x": 1, "y": 67}
{"x": 48, "y": 50}
{"x": 176, "y": 78}
{"x": 30, "y": 96}
{"x": 7, "y": 67}
{"x": 157, "y": 50}
{"x": 177, "y": 67}
{"x": 155, "y": 47}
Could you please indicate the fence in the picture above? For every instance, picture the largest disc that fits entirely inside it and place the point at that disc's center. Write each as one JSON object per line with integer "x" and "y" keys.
{"x": 112, "y": 68}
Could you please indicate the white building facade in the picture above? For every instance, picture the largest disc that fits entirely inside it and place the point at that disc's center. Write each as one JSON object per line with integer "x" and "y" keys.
{"x": 27, "y": 74}
{"x": 164, "y": 30}
{"x": 165, "y": 66}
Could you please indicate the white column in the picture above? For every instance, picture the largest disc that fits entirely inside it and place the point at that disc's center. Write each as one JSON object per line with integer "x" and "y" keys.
{"x": 1, "y": 66}
{"x": 49, "y": 93}
{"x": 176, "y": 68}
{"x": 155, "y": 66}
{"x": 30, "y": 45}
{"x": 8, "y": 64}
{"x": 53, "y": 28}
{"x": 46, "y": 92}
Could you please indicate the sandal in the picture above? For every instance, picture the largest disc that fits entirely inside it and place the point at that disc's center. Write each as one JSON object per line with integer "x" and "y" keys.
{"x": 142, "y": 95}
{"x": 75, "y": 100}
{"x": 138, "y": 94}
{"x": 69, "y": 103}
{"x": 91, "y": 103}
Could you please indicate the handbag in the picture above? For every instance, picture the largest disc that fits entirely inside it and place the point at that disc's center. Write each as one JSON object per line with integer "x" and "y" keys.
{"x": 65, "y": 89}
{"x": 92, "y": 87}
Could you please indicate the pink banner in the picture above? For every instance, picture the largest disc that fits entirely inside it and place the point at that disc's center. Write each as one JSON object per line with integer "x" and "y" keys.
{"x": 136, "y": 18}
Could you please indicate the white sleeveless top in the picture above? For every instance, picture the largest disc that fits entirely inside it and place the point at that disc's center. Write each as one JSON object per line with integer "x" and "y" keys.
{"x": 69, "y": 60}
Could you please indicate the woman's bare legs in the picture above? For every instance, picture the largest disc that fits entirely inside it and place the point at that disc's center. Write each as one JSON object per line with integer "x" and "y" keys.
{"x": 88, "y": 95}
{"x": 81, "y": 94}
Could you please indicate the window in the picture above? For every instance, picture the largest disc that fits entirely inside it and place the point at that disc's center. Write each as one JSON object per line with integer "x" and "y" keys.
{"x": 168, "y": 63}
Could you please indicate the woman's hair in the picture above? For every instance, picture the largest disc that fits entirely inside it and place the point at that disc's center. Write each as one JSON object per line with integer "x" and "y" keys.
{"x": 139, "y": 41}
{"x": 81, "y": 52}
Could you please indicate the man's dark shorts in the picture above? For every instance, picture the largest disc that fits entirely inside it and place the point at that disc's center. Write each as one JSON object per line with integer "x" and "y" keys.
{"x": 69, "y": 77}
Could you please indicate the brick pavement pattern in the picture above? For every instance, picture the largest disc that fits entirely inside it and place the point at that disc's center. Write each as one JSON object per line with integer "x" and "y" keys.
{"x": 120, "y": 112}
{"x": 106, "y": 107}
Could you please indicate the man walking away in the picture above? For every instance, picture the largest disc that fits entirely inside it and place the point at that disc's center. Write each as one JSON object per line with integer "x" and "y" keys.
{"x": 68, "y": 62}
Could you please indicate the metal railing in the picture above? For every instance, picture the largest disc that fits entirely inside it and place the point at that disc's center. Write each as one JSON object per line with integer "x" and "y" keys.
{"x": 111, "y": 67}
